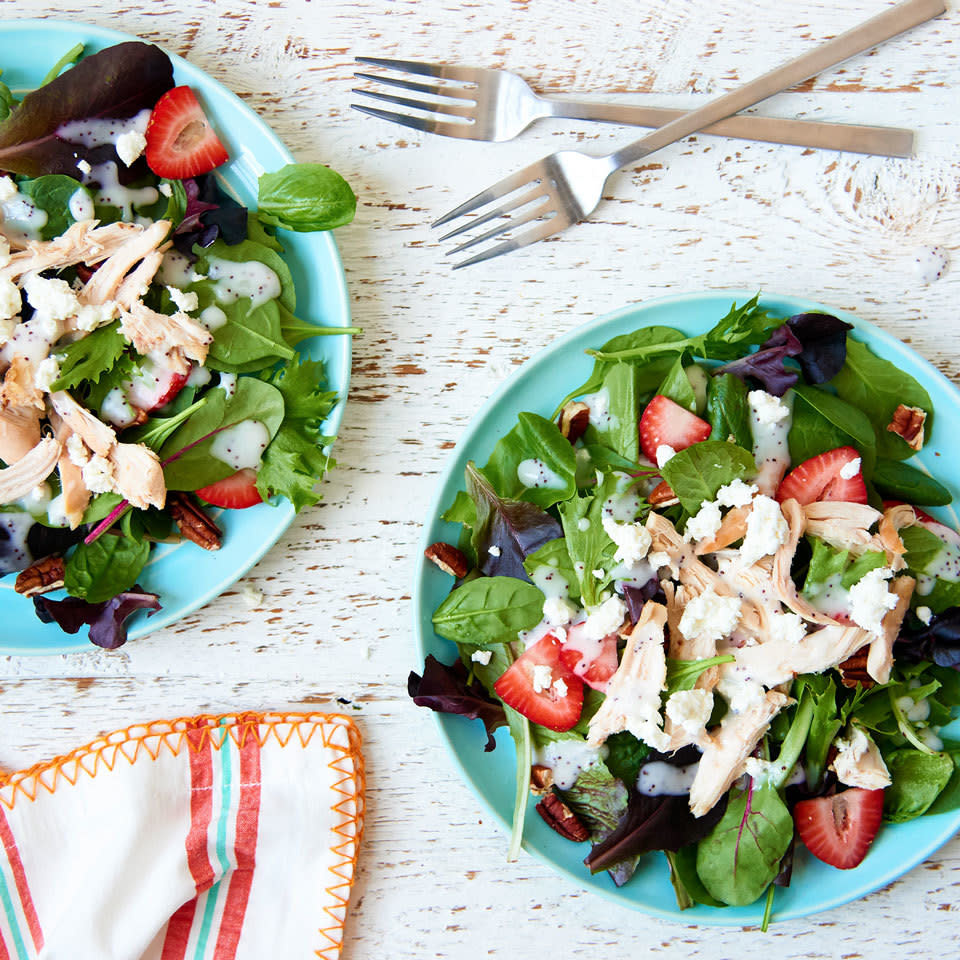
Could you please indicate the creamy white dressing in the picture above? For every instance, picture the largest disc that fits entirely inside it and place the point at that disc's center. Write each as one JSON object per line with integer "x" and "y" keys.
{"x": 80, "y": 205}
{"x": 580, "y": 640}
{"x": 13, "y": 547}
{"x": 37, "y": 500}
{"x": 624, "y": 505}
{"x": 229, "y": 383}
{"x": 22, "y": 219}
{"x": 830, "y": 597}
{"x": 252, "y": 279}
{"x": 568, "y": 759}
{"x": 176, "y": 270}
{"x": 535, "y": 473}
{"x": 32, "y": 340}
{"x": 212, "y": 317}
{"x": 550, "y": 582}
{"x": 56, "y": 512}
{"x": 660, "y": 779}
{"x": 599, "y": 406}
{"x": 242, "y": 445}
{"x": 113, "y": 193}
{"x": 198, "y": 376}
{"x": 98, "y": 132}
{"x": 770, "y": 448}
{"x": 117, "y": 408}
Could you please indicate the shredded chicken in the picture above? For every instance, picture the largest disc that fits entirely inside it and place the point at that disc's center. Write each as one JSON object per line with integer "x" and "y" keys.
{"x": 150, "y": 332}
{"x": 732, "y": 528}
{"x": 104, "y": 283}
{"x": 19, "y": 432}
{"x": 76, "y": 496}
{"x": 136, "y": 283}
{"x": 845, "y": 526}
{"x": 894, "y": 519}
{"x": 858, "y": 762}
{"x": 29, "y": 471}
{"x": 99, "y": 437}
{"x": 139, "y": 476}
{"x": 880, "y": 656}
{"x": 18, "y": 388}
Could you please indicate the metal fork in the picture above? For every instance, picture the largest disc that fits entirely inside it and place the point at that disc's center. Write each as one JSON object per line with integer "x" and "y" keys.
{"x": 566, "y": 187}
{"x": 475, "y": 103}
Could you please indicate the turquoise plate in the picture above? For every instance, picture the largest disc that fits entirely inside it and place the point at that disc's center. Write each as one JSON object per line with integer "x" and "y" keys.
{"x": 185, "y": 576}
{"x": 537, "y": 386}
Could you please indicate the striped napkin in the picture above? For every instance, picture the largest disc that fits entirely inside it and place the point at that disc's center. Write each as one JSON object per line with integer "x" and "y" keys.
{"x": 203, "y": 838}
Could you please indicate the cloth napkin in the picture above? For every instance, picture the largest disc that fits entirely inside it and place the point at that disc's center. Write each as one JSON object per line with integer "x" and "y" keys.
{"x": 202, "y": 838}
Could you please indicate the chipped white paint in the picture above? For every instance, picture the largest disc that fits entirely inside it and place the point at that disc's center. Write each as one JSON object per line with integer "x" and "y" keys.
{"x": 845, "y": 229}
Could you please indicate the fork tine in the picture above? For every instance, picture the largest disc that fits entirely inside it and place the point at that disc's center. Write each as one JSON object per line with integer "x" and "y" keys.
{"x": 500, "y": 211}
{"x": 435, "y": 89}
{"x": 507, "y": 185}
{"x": 447, "y": 109}
{"x": 545, "y": 230}
{"x": 423, "y": 124}
{"x": 511, "y": 223}
{"x": 448, "y": 72}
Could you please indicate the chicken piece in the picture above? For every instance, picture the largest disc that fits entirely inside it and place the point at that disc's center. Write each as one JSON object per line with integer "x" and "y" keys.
{"x": 633, "y": 694}
{"x": 732, "y": 528}
{"x": 880, "y": 656}
{"x": 138, "y": 475}
{"x": 858, "y": 762}
{"x": 19, "y": 432}
{"x": 76, "y": 496}
{"x": 99, "y": 437}
{"x": 842, "y": 525}
{"x": 152, "y": 332}
{"x": 18, "y": 388}
{"x": 726, "y": 752}
{"x": 29, "y": 471}
{"x": 103, "y": 285}
{"x": 137, "y": 282}
{"x": 894, "y": 519}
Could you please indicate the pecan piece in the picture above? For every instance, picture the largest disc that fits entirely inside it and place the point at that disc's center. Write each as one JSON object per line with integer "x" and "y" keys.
{"x": 853, "y": 670}
{"x": 541, "y": 779}
{"x": 193, "y": 523}
{"x": 40, "y": 577}
{"x": 907, "y": 423}
{"x": 662, "y": 495}
{"x": 448, "y": 558}
{"x": 558, "y": 816}
{"x": 574, "y": 420}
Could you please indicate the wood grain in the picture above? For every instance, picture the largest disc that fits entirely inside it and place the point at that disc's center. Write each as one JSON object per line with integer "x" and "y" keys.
{"x": 705, "y": 213}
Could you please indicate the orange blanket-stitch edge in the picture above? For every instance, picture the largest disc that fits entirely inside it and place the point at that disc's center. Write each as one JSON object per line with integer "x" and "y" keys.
{"x": 151, "y": 738}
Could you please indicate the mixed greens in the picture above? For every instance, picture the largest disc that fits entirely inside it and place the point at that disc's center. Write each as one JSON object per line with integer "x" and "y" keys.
{"x": 707, "y": 603}
{"x": 148, "y": 334}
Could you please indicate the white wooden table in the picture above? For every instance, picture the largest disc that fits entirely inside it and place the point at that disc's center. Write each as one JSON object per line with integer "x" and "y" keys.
{"x": 335, "y": 618}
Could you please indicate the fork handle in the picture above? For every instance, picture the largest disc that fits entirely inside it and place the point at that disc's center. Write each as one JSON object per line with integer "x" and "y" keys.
{"x": 896, "y": 20}
{"x": 851, "y": 137}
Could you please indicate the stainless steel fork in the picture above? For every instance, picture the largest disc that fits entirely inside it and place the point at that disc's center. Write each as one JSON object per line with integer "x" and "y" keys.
{"x": 474, "y": 103}
{"x": 566, "y": 187}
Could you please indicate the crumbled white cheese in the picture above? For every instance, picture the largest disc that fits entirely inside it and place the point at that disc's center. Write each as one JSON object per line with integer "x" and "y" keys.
{"x": 851, "y": 469}
{"x": 77, "y": 450}
{"x": 83, "y": 166}
{"x": 705, "y": 523}
{"x": 542, "y": 678}
{"x": 632, "y": 540}
{"x": 8, "y": 189}
{"x": 739, "y": 690}
{"x": 560, "y": 687}
{"x": 767, "y": 408}
{"x": 184, "y": 300}
{"x": 165, "y": 189}
{"x": 871, "y": 599}
{"x": 658, "y": 559}
{"x": 925, "y": 615}
{"x": 93, "y": 315}
{"x": 251, "y": 596}
{"x": 599, "y": 573}
{"x": 493, "y": 550}
{"x": 98, "y": 475}
{"x": 47, "y": 372}
{"x": 130, "y": 146}
{"x": 481, "y": 656}
{"x": 4, "y": 251}
{"x": 736, "y": 493}
{"x": 8, "y": 326}
{"x": 787, "y": 626}
{"x": 605, "y": 619}
{"x": 10, "y": 301}
{"x": 664, "y": 454}
{"x": 558, "y": 611}
{"x": 690, "y": 710}
{"x": 709, "y": 616}
{"x": 53, "y": 298}
{"x": 767, "y": 529}
{"x": 759, "y": 770}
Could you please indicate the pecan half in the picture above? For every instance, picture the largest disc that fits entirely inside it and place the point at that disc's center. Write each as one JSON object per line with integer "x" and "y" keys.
{"x": 558, "y": 816}
{"x": 448, "y": 558}
{"x": 574, "y": 420}
{"x": 853, "y": 670}
{"x": 541, "y": 779}
{"x": 193, "y": 523}
{"x": 662, "y": 495}
{"x": 40, "y": 577}
{"x": 908, "y": 423}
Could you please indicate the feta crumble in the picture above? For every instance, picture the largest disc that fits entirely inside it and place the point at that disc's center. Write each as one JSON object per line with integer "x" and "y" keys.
{"x": 83, "y": 166}
{"x": 767, "y": 408}
{"x": 493, "y": 550}
{"x": 93, "y": 315}
{"x": 767, "y": 529}
{"x": 851, "y": 469}
{"x": 871, "y": 599}
{"x": 705, "y": 523}
{"x": 8, "y": 189}
{"x": 130, "y": 146}
{"x": 10, "y": 301}
{"x": 77, "y": 450}
{"x": 560, "y": 687}
{"x": 481, "y": 656}
{"x": 689, "y": 710}
{"x": 709, "y": 616}
{"x": 251, "y": 596}
{"x": 736, "y": 493}
{"x": 542, "y": 678}
{"x": 787, "y": 626}
{"x": 605, "y": 619}
{"x": 599, "y": 573}
{"x": 165, "y": 189}
{"x": 183, "y": 300}
{"x": 98, "y": 475}
{"x": 47, "y": 373}
{"x": 632, "y": 540}
{"x": 925, "y": 615}
{"x": 665, "y": 453}
{"x": 52, "y": 298}
{"x": 658, "y": 559}
{"x": 8, "y": 326}
{"x": 558, "y": 611}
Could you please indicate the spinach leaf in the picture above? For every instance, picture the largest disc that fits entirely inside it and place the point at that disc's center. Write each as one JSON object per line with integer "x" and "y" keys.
{"x": 100, "y": 570}
{"x": 6, "y": 101}
{"x": 683, "y": 674}
{"x": 620, "y": 433}
{"x": 728, "y": 410}
{"x": 823, "y": 422}
{"x": 88, "y": 358}
{"x": 462, "y": 510}
{"x": 677, "y": 387}
{"x": 295, "y": 331}
{"x": 119, "y": 81}
{"x": 52, "y": 194}
{"x": 625, "y": 754}
{"x": 687, "y": 884}
{"x": 824, "y": 724}
{"x": 534, "y": 446}
{"x": 923, "y": 547}
{"x": 949, "y": 797}
{"x": 550, "y": 561}
{"x": 305, "y": 197}
{"x": 489, "y": 610}
{"x": 878, "y": 387}
{"x": 917, "y": 780}
{"x": 697, "y": 473}
{"x": 741, "y": 857}
{"x": 899, "y": 481}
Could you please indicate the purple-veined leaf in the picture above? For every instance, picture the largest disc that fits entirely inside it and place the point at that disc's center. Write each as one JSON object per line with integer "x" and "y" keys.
{"x": 107, "y": 620}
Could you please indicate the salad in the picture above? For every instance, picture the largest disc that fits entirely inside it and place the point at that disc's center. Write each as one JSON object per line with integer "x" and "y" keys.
{"x": 148, "y": 362}
{"x": 708, "y": 603}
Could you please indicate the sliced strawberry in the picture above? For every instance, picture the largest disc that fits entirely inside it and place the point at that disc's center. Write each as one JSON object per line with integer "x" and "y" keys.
{"x": 235, "y": 492}
{"x": 819, "y": 479}
{"x": 180, "y": 141}
{"x": 667, "y": 423}
{"x": 154, "y": 386}
{"x": 533, "y": 692}
{"x": 594, "y": 661}
{"x": 839, "y": 830}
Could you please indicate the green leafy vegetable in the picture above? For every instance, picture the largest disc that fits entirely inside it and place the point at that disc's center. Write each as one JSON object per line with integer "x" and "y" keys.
{"x": 305, "y": 197}
{"x": 917, "y": 780}
{"x": 728, "y": 410}
{"x": 70, "y": 57}
{"x": 100, "y": 570}
{"x": 625, "y": 753}
{"x": 551, "y": 561}
{"x": 489, "y": 610}
{"x": 823, "y": 422}
{"x": 676, "y": 386}
{"x": 52, "y": 194}
{"x": 824, "y": 724}
{"x": 683, "y": 674}
{"x": 923, "y": 547}
{"x": 88, "y": 358}
{"x": 622, "y": 384}
{"x": 900, "y": 481}
{"x": 697, "y": 473}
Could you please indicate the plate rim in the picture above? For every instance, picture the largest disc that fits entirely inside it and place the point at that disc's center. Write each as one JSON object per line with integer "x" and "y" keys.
{"x": 145, "y": 625}
{"x": 716, "y": 917}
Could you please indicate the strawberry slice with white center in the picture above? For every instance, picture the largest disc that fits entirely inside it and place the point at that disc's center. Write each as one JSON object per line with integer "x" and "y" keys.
{"x": 539, "y": 686}
{"x": 834, "y": 475}
{"x": 154, "y": 386}
{"x": 180, "y": 140}
{"x": 839, "y": 830}
{"x": 594, "y": 661}
{"x": 665, "y": 423}
{"x": 235, "y": 492}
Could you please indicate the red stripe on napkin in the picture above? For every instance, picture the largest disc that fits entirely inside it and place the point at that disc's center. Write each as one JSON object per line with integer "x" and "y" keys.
{"x": 245, "y": 848}
{"x": 178, "y": 932}
{"x": 4, "y": 953}
{"x": 20, "y": 878}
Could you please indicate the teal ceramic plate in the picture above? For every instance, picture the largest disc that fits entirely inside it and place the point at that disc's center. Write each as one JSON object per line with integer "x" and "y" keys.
{"x": 184, "y": 576}
{"x": 537, "y": 386}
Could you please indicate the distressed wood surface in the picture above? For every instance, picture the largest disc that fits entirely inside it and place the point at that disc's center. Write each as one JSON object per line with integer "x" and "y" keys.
{"x": 335, "y": 619}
